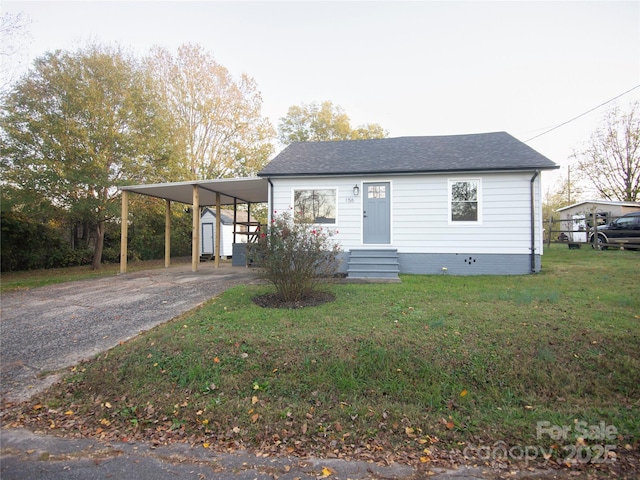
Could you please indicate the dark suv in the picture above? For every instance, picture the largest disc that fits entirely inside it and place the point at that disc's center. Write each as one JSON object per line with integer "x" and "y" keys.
{"x": 624, "y": 230}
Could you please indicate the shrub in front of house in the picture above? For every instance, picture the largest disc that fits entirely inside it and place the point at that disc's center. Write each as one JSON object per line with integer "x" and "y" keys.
{"x": 296, "y": 257}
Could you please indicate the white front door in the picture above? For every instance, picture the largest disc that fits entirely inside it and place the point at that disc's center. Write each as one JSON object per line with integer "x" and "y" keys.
{"x": 207, "y": 238}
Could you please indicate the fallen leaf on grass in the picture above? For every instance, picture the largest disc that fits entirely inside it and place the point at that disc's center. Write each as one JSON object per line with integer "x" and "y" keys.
{"x": 449, "y": 424}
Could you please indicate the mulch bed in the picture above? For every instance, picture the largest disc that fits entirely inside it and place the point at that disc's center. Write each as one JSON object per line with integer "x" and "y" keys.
{"x": 274, "y": 300}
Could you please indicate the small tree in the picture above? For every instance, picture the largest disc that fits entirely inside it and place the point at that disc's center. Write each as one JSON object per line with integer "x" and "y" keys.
{"x": 297, "y": 257}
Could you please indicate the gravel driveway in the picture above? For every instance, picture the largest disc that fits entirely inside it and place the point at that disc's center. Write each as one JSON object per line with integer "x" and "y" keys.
{"x": 45, "y": 329}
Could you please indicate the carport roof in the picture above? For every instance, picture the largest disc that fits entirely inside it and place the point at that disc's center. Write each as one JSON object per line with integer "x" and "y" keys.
{"x": 244, "y": 190}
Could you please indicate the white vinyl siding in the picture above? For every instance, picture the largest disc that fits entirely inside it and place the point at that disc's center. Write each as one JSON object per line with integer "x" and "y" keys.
{"x": 420, "y": 212}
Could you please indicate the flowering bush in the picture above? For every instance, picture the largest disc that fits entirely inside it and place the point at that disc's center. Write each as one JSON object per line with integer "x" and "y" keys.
{"x": 296, "y": 257}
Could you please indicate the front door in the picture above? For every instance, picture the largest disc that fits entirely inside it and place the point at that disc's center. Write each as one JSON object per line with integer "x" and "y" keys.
{"x": 376, "y": 213}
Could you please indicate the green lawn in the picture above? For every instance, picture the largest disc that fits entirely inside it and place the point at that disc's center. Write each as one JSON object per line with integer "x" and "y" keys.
{"x": 432, "y": 362}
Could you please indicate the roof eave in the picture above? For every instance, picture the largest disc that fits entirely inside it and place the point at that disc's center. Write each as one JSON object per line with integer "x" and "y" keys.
{"x": 408, "y": 172}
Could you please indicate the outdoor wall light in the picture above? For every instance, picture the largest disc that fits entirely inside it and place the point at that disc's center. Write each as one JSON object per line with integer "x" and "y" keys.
{"x": 356, "y": 190}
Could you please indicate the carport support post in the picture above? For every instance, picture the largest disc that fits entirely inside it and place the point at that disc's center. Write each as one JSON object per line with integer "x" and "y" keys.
{"x": 124, "y": 231}
{"x": 195, "y": 231}
{"x": 218, "y": 224}
{"x": 167, "y": 234}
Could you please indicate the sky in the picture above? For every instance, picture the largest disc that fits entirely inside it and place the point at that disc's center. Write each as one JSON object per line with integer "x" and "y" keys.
{"x": 416, "y": 68}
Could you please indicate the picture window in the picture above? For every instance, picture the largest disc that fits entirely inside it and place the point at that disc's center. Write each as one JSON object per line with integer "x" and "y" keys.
{"x": 315, "y": 206}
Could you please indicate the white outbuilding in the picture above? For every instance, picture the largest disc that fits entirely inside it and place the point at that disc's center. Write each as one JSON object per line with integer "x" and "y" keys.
{"x": 227, "y": 225}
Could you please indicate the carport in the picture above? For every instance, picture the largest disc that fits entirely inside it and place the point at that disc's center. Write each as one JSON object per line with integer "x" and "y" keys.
{"x": 197, "y": 193}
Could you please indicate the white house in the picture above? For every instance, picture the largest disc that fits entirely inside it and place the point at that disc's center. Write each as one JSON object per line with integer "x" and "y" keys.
{"x": 461, "y": 204}
{"x": 458, "y": 204}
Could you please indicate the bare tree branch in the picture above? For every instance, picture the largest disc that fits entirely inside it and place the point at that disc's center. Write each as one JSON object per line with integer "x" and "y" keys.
{"x": 611, "y": 159}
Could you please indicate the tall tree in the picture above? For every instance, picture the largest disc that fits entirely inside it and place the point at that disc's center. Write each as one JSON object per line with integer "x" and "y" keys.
{"x": 611, "y": 159}
{"x": 78, "y": 124}
{"x": 14, "y": 31}
{"x": 323, "y": 122}
{"x": 219, "y": 117}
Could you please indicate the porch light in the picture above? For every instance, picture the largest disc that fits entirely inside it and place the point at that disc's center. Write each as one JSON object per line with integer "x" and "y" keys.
{"x": 356, "y": 190}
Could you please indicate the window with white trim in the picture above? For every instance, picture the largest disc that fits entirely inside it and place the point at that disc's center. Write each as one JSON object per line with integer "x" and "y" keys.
{"x": 465, "y": 201}
{"x": 315, "y": 205}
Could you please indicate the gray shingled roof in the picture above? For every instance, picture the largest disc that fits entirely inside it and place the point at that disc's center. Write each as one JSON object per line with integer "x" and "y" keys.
{"x": 451, "y": 153}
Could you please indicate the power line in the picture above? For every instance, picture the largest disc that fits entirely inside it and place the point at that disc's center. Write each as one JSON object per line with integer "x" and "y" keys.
{"x": 583, "y": 114}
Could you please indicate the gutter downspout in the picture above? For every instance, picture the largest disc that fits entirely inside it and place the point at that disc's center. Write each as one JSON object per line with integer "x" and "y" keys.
{"x": 533, "y": 222}
{"x": 270, "y": 212}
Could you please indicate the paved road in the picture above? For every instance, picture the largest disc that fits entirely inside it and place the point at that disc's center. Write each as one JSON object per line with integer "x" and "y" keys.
{"x": 45, "y": 329}
{"x": 26, "y": 455}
